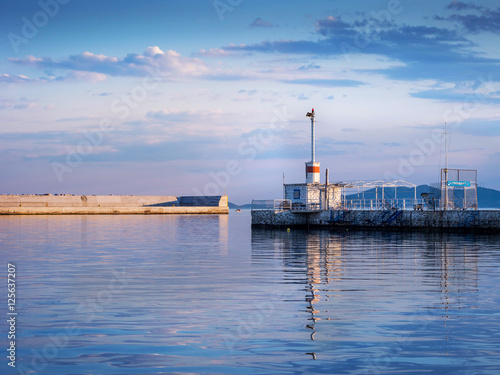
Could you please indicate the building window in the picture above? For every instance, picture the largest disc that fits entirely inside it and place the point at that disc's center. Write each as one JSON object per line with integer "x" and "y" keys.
{"x": 296, "y": 193}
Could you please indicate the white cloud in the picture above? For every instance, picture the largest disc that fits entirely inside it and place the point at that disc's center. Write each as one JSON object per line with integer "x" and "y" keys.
{"x": 167, "y": 63}
{"x": 153, "y": 51}
{"x": 7, "y": 78}
{"x": 26, "y": 106}
{"x": 19, "y": 104}
{"x": 214, "y": 52}
{"x": 86, "y": 76}
{"x": 185, "y": 116}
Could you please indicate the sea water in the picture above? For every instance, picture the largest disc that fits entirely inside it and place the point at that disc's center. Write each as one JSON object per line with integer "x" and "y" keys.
{"x": 164, "y": 294}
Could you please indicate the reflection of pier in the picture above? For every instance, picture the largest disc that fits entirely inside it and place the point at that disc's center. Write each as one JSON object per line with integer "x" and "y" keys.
{"x": 215, "y": 232}
{"x": 356, "y": 280}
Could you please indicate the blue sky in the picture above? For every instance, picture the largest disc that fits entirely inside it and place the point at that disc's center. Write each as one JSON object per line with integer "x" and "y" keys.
{"x": 206, "y": 97}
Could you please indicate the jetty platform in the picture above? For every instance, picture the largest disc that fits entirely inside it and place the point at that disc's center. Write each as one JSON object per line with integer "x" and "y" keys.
{"x": 65, "y": 204}
{"x": 377, "y": 204}
{"x": 483, "y": 221}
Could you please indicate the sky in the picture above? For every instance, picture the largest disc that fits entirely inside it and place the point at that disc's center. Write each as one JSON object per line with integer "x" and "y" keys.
{"x": 184, "y": 97}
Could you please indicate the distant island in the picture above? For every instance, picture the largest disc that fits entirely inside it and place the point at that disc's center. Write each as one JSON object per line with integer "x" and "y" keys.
{"x": 488, "y": 198}
{"x": 240, "y": 207}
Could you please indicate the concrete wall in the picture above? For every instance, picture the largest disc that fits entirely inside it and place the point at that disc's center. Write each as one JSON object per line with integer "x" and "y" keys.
{"x": 85, "y": 200}
{"x": 305, "y": 195}
{"x": 104, "y": 204}
{"x": 177, "y": 210}
{"x": 428, "y": 220}
{"x": 334, "y": 197}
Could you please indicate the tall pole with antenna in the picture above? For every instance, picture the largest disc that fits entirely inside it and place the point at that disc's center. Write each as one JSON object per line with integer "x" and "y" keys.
{"x": 313, "y": 141}
{"x": 312, "y": 168}
{"x": 284, "y": 189}
{"x": 446, "y": 166}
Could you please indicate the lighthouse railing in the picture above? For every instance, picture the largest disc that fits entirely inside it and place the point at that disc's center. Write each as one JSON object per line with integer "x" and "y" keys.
{"x": 271, "y": 205}
{"x": 386, "y": 204}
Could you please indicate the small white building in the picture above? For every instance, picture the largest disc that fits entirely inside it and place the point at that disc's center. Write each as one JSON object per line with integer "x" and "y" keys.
{"x": 312, "y": 195}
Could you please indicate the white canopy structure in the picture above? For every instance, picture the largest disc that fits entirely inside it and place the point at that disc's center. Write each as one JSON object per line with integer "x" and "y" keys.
{"x": 378, "y": 188}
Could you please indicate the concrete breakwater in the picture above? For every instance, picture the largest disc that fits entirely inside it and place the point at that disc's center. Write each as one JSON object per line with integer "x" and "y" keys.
{"x": 110, "y": 204}
{"x": 468, "y": 220}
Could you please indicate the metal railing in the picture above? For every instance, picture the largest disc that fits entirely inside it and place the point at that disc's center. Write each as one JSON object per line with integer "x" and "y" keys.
{"x": 383, "y": 204}
{"x": 306, "y": 206}
{"x": 271, "y": 204}
{"x": 405, "y": 204}
{"x": 354, "y": 204}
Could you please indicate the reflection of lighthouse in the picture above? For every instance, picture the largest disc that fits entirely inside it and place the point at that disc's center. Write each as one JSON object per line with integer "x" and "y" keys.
{"x": 312, "y": 168}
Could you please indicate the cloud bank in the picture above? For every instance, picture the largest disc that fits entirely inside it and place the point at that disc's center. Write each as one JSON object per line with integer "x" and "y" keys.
{"x": 170, "y": 63}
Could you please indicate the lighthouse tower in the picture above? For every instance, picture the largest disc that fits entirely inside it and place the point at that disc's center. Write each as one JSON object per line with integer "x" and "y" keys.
{"x": 312, "y": 167}
{"x": 312, "y": 196}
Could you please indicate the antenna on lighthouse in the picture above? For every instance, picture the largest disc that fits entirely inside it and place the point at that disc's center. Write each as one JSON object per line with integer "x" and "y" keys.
{"x": 313, "y": 146}
{"x": 312, "y": 168}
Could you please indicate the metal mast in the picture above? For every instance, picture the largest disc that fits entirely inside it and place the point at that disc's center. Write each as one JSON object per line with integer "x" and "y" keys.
{"x": 313, "y": 141}
{"x": 312, "y": 168}
{"x": 445, "y": 166}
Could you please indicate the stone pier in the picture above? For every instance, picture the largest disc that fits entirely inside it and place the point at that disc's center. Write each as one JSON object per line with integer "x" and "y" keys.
{"x": 110, "y": 204}
{"x": 474, "y": 220}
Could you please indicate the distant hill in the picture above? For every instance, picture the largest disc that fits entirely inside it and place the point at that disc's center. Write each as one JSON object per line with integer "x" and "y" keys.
{"x": 242, "y": 207}
{"x": 488, "y": 198}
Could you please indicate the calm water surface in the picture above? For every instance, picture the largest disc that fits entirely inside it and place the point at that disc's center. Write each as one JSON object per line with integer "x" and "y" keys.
{"x": 209, "y": 295}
